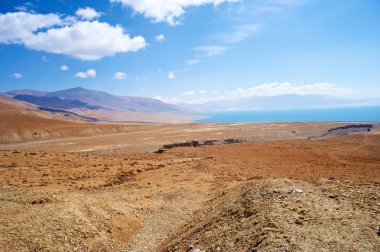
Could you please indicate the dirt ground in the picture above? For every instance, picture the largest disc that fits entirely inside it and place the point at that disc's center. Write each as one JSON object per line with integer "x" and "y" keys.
{"x": 277, "y": 192}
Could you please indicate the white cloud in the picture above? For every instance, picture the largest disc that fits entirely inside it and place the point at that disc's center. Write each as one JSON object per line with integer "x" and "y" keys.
{"x": 240, "y": 33}
{"x": 192, "y": 62}
{"x": 17, "y": 27}
{"x": 119, "y": 76}
{"x": 210, "y": 50}
{"x": 160, "y": 38}
{"x": 26, "y": 7}
{"x": 91, "y": 73}
{"x": 21, "y": 8}
{"x": 16, "y": 75}
{"x": 44, "y": 58}
{"x": 78, "y": 39}
{"x": 64, "y": 68}
{"x": 188, "y": 93}
{"x": 284, "y": 88}
{"x": 263, "y": 90}
{"x": 254, "y": 8}
{"x": 87, "y": 13}
{"x": 81, "y": 75}
{"x": 166, "y": 10}
{"x": 171, "y": 75}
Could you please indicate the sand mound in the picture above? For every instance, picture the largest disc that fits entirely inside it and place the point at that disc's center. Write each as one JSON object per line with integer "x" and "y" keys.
{"x": 285, "y": 215}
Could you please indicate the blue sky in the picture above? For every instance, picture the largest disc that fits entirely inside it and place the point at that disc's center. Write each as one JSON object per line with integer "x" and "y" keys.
{"x": 192, "y": 50}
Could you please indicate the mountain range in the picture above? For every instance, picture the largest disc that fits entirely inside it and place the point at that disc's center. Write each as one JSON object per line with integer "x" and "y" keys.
{"x": 98, "y": 106}
{"x": 94, "y": 105}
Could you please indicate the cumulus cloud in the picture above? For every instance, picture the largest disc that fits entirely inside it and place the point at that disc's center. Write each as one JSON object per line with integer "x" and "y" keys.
{"x": 91, "y": 73}
{"x": 171, "y": 75}
{"x": 87, "y": 13}
{"x": 16, "y": 75}
{"x": 165, "y": 10}
{"x": 17, "y": 27}
{"x": 64, "y": 68}
{"x": 160, "y": 38}
{"x": 119, "y": 76}
{"x": 51, "y": 33}
{"x": 78, "y": 41}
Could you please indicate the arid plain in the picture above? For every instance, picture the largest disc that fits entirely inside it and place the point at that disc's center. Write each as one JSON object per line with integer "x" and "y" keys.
{"x": 238, "y": 187}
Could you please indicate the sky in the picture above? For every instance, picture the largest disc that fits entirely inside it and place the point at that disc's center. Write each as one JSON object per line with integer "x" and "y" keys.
{"x": 192, "y": 51}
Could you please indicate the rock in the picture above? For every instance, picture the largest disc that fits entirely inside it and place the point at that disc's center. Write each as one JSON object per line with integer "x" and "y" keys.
{"x": 297, "y": 190}
{"x": 299, "y": 222}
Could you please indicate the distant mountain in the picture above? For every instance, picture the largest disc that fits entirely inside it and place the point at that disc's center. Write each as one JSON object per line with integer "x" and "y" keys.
{"x": 25, "y": 92}
{"x": 94, "y": 105}
{"x": 54, "y": 102}
{"x": 272, "y": 102}
{"x": 130, "y": 103}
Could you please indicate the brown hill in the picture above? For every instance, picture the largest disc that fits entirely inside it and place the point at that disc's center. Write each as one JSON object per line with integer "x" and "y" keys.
{"x": 21, "y": 121}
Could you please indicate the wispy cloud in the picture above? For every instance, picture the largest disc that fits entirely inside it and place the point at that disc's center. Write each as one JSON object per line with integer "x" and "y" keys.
{"x": 192, "y": 62}
{"x": 210, "y": 50}
{"x": 26, "y": 7}
{"x": 245, "y": 23}
{"x": 253, "y": 8}
{"x": 240, "y": 33}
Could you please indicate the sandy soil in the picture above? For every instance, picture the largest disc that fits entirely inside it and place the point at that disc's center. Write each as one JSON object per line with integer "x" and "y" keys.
{"x": 103, "y": 138}
{"x": 280, "y": 192}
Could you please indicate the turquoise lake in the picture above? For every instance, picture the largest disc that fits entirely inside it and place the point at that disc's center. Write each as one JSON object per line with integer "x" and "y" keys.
{"x": 362, "y": 114}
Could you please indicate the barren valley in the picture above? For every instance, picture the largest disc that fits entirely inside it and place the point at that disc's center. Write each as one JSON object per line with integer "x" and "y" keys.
{"x": 245, "y": 187}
